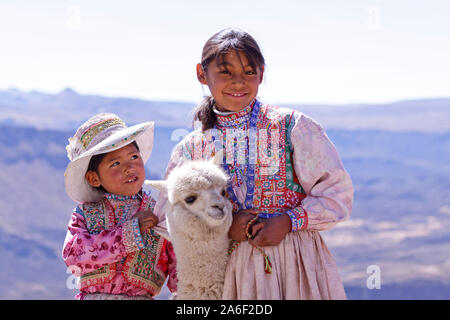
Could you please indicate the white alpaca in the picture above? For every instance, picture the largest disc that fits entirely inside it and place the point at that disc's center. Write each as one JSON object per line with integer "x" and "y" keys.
{"x": 198, "y": 217}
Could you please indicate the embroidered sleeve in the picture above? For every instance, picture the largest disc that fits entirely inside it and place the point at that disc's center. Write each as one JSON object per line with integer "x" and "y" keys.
{"x": 85, "y": 252}
{"x": 328, "y": 187}
{"x": 167, "y": 264}
{"x": 171, "y": 268}
{"x": 299, "y": 218}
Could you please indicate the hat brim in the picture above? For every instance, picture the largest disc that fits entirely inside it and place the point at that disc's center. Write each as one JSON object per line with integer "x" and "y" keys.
{"x": 77, "y": 188}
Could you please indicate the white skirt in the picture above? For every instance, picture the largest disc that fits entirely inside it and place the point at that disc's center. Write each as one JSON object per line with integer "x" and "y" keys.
{"x": 302, "y": 268}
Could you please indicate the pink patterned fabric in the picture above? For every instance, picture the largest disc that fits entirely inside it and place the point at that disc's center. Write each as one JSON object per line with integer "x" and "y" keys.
{"x": 104, "y": 246}
{"x": 308, "y": 182}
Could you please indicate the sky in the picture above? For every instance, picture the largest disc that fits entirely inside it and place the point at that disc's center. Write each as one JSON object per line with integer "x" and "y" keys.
{"x": 333, "y": 52}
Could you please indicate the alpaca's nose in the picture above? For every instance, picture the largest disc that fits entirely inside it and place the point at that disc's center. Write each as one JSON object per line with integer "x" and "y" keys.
{"x": 216, "y": 212}
{"x": 217, "y": 202}
{"x": 218, "y": 206}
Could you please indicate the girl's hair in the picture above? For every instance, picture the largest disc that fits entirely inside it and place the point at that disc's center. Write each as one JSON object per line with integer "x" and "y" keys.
{"x": 217, "y": 47}
{"x": 97, "y": 159}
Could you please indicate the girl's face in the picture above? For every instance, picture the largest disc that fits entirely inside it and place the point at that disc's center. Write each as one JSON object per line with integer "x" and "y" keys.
{"x": 120, "y": 172}
{"x": 233, "y": 82}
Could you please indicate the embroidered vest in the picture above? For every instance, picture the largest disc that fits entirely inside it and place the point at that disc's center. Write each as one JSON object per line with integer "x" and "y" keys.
{"x": 276, "y": 186}
{"x": 279, "y": 188}
{"x": 140, "y": 268}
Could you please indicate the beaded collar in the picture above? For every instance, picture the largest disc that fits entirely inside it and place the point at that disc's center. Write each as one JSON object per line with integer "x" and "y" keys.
{"x": 122, "y": 212}
{"x": 111, "y": 196}
{"x": 245, "y": 172}
{"x": 234, "y": 119}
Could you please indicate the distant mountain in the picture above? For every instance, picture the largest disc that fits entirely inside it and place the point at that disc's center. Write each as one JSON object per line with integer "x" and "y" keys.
{"x": 400, "y": 220}
{"x": 24, "y": 144}
{"x": 68, "y": 109}
{"x": 426, "y": 115}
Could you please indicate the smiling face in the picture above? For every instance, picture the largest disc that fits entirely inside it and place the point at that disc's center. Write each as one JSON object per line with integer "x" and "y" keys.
{"x": 232, "y": 80}
{"x": 120, "y": 172}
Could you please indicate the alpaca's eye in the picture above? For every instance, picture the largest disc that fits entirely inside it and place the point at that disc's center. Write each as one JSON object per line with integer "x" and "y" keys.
{"x": 223, "y": 193}
{"x": 190, "y": 199}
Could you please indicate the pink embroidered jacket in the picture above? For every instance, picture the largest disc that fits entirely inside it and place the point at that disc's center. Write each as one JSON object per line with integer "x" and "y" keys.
{"x": 104, "y": 246}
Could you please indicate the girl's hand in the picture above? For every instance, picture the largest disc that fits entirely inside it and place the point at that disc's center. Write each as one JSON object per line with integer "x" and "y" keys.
{"x": 146, "y": 220}
{"x": 271, "y": 231}
{"x": 240, "y": 221}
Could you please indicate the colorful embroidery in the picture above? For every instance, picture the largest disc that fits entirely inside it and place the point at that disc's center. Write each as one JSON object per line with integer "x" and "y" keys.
{"x": 241, "y": 169}
{"x": 140, "y": 269}
{"x": 292, "y": 182}
{"x": 299, "y": 218}
{"x": 276, "y": 186}
{"x": 94, "y": 129}
{"x": 98, "y": 277}
{"x": 132, "y": 239}
{"x": 236, "y": 119}
{"x": 273, "y": 181}
{"x": 95, "y": 217}
{"x": 140, "y": 265}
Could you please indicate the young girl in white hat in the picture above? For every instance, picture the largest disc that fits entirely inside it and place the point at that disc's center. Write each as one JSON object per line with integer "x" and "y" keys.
{"x": 111, "y": 241}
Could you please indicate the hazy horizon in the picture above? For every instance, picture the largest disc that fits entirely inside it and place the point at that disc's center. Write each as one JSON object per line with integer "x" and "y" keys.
{"x": 362, "y": 103}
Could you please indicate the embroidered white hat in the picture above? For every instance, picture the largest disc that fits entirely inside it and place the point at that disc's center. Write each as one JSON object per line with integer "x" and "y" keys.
{"x": 104, "y": 132}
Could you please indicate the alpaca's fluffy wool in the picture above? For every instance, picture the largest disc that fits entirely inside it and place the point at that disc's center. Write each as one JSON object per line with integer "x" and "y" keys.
{"x": 199, "y": 230}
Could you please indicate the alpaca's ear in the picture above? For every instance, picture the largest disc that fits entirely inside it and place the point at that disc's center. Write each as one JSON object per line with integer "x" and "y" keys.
{"x": 161, "y": 185}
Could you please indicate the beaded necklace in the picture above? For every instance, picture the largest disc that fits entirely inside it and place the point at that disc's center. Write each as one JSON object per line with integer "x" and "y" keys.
{"x": 240, "y": 170}
{"x": 124, "y": 216}
{"x": 249, "y": 172}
